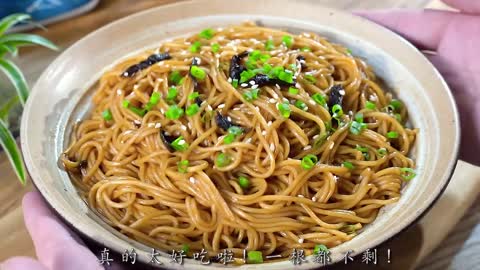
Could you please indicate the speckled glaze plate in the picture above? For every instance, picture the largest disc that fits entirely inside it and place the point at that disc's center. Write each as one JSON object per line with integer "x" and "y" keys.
{"x": 61, "y": 97}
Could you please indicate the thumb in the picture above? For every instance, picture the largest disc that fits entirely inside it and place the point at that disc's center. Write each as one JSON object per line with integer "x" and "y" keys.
{"x": 424, "y": 28}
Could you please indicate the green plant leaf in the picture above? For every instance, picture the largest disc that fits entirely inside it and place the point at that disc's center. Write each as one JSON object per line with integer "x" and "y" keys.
{"x": 16, "y": 77}
{"x": 13, "y": 153}
{"x": 11, "y": 20}
{"x": 7, "y": 48}
{"x": 27, "y": 39}
{"x": 5, "y": 109}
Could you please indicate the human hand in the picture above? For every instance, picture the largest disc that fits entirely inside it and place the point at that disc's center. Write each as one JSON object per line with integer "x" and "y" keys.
{"x": 455, "y": 39}
{"x": 57, "y": 248}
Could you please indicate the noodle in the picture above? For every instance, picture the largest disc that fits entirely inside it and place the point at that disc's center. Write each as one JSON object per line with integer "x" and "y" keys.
{"x": 170, "y": 181}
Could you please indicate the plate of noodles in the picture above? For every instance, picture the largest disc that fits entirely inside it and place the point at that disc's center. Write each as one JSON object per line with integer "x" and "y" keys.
{"x": 246, "y": 130}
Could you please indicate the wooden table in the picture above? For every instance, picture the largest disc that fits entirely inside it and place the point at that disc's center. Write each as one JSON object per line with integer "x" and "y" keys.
{"x": 14, "y": 237}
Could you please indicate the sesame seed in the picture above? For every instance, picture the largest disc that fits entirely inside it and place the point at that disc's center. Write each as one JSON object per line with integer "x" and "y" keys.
{"x": 335, "y": 178}
{"x": 285, "y": 100}
{"x": 316, "y": 137}
{"x": 257, "y": 108}
{"x": 183, "y": 53}
{"x": 272, "y": 100}
{"x": 167, "y": 133}
{"x": 275, "y": 95}
{"x": 300, "y": 195}
{"x": 150, "y": 124}
{"x": 249, "y": 140}
{"x": 331, "y": 146}
{"x": 255, "y": 86}
{"x": 269, "y": 123}
{"x": 135, "y": 87}
{"x": 243, "y": 85}
{"x": 209, "y": 108}
{"x": 192, "y": 180}
{"x": 272, "y": 147}
{"x": 162, "y": 111}
{"x": 229, "y": 118}
{"x": 181, "y": 142}
{"x": 264, "y": 132}
{"x": 229, "y": 80}
{"x": 198, "y": 60}
{"x": 314, "y": 199}
{"x": 221, "y": 106}
{"x": 183, "y": 127}
{"x": 342, "y": 92}
{"x": 236, "y": 109}
{"x": 119, "y": 92}
{"x": 300, "y": 240}
{"x": 311, "y": 101}
{"x": 308, "y": 147}
{"x": 251, "y": 82}
{"x": 137, "y": 122}
{"x": 158, "y": 125}
{"x": 297, "y": 85}
{"x": 189, "y": 125}
{"x": 373, "y": 98}
{"x": 217, "y": 55}
{"x": 278, "y": 86}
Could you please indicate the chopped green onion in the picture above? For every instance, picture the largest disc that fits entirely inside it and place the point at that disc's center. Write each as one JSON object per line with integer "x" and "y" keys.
{"x": 398, "y": 117}
{"x": 305, "y": 49}
{"x": 319, "y": 99}
{"x": 293, "y": 67}
{"x": 382, "y": 152}
{"x": 301, "y": 105}
{"x": 192, "y": 109}
{"x": 274, "y": 72}
{"x": 255, "y": 55}
{"x": 246, "y": 75}
{"x": 235, "y": 83}
{"x": 337, "y": 111}
{"x": 195, "y": 47}
{"x": 251, "y": 64}
{"x": 172, "y": 93}
{"x": 309, "y": 161}
{"x": 287, "y": 40}
{"x": 364, "y": 151}
{"x": 408, "y": 173}
{"x": 254, "y": 256}
{"x": 269, "y": 45}
{"x": 229, "y": 138}
{"x": 267, "y": 68}
{"x": 107, "y": 115}
{"x": 357, "y": 127}
{"x": 310, "y": 78}
{"x": 223, "y": 160}
{"x": 185, "y": 248}
{"x": 175, "y": 77}
{"x": 193, "y": 96}
{"x": 155, "y": 98}
{"x": 284, "y": 109}
{"x": 348, "y": 165}
{"x": 286, "y": 76}
{"x": 137, "y": 111}
{"x": 392, "y": 135}
{"x": 251, "y": 95}
{"x": 396, "y": 104}
{"x": 243, "y": 182}
{"x": 180, "y": 144}
{"x": 207, "y": 33}
{"x": 320, "y": 248}
{"x": 183, "y": 166}
{"x": 359, "y": 117}
{"x": 293, "y": 90}
{"x": 174, "y": 112}
{"x": 198, "y": 73}
{"x": 349, "y": 51}
{"x": 370, "y": 105}
{"x": 215, "y": 47}
{"x": 235, "y": 130}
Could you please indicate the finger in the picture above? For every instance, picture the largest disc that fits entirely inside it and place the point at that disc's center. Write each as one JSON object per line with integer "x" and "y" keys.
{"x": 467, "y": 6}
{"x": 22, "y": 263}
{"x": 54, "y": 245}
{"x": 424, "y": 28}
